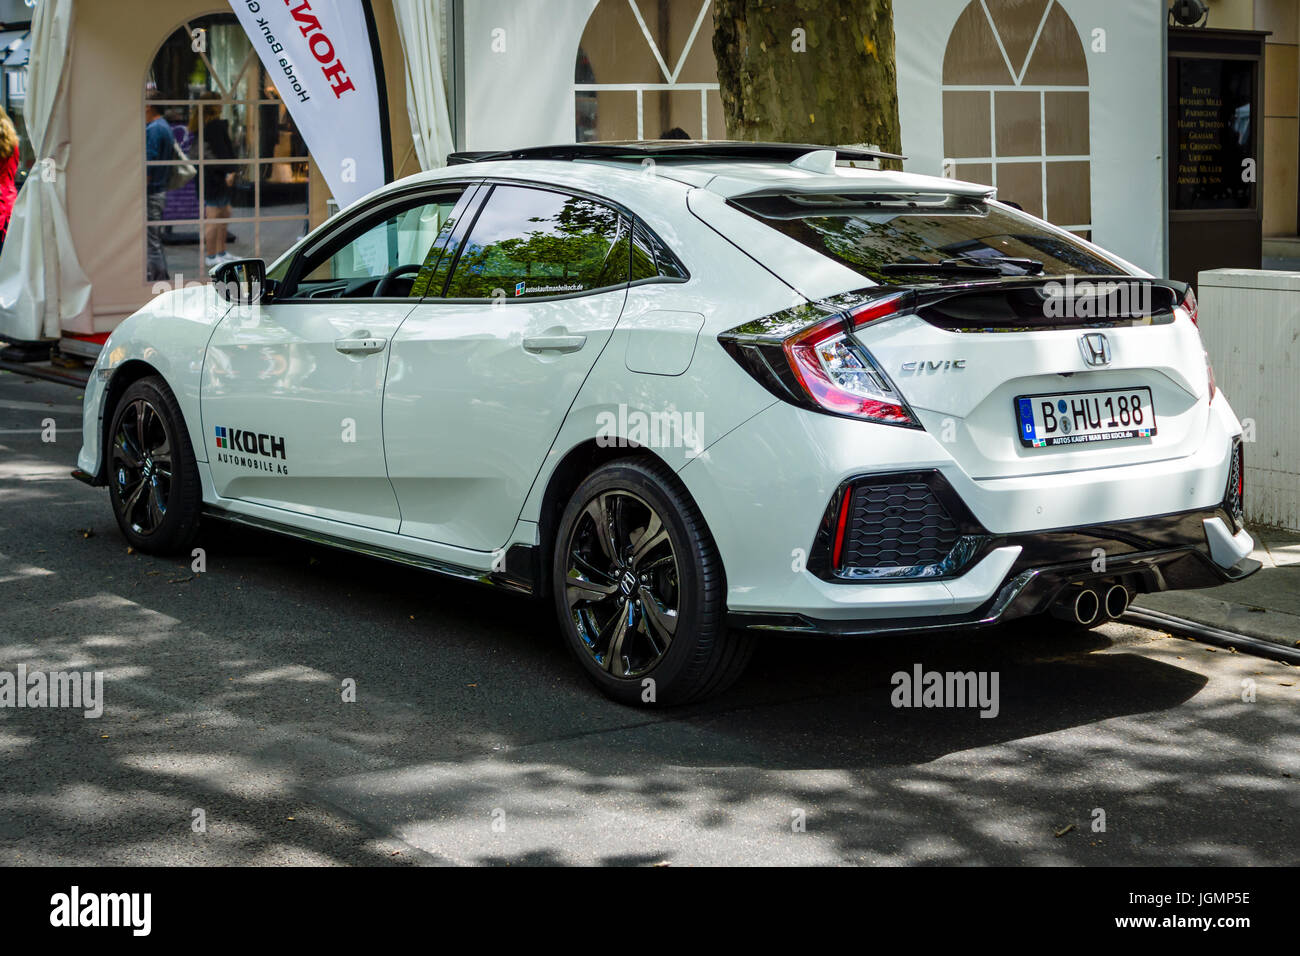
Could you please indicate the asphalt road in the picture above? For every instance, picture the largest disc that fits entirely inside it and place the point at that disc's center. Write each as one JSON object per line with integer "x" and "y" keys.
{"x": 474, "y": 739}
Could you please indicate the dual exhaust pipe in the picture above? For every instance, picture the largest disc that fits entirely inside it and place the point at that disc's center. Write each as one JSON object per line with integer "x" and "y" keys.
{"x": 1085, "y": 606}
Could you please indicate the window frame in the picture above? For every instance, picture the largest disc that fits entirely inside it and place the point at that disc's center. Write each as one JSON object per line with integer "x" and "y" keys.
{"x": 227, "y": 98}
{"x": 354, "y": 224}
{"x": 489, "y": 185}
{"x": 657, "y": 243}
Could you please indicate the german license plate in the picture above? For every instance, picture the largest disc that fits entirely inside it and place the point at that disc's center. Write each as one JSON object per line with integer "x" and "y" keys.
{"x": 1081, "y": 418}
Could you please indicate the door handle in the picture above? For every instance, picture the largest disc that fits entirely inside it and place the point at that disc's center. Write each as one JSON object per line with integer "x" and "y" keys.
{"x": 360, "y": 346}
{"x": 554, "y": 343}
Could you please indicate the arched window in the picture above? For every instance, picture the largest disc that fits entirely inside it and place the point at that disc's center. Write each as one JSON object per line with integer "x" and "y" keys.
{"x": 646, "y": 68}
{"x": 250, "y": 195}
{"x": 1015, "y": 107}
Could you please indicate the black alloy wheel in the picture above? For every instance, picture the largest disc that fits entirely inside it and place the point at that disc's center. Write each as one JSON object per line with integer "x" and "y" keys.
{"x": 153, "y": 479}
{"x": 639, "y": 588}
{"x": 140, "y": 463}
{"x": 622, "y": 583}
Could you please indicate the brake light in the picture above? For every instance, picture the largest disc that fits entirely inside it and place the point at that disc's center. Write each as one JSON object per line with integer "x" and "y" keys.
{"x": 840, "y": 375}
{"x": 810, "y": 356}
{"x": 1191, "y": 307}
{"x": 874, "y": 311}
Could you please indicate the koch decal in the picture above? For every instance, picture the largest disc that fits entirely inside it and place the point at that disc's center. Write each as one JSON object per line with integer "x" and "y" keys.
{"x": 259, "y": 450}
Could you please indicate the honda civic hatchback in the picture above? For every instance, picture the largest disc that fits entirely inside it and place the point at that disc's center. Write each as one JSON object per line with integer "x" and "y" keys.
{"x": 689, "y": 394}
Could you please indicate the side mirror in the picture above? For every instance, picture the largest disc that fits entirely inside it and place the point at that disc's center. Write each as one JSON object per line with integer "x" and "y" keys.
{"x": 242, "y": 281}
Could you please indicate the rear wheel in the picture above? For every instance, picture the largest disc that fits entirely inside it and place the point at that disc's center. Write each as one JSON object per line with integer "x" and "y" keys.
{"x": 639, "y": 589}
{"x": 153, "y": 481}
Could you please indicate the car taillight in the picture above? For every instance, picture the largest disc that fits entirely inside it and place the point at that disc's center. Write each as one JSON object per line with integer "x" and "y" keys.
{"x": 876, "y": 310}
{"x": 1191, "y": 307}
{"x": 810, "y": 355}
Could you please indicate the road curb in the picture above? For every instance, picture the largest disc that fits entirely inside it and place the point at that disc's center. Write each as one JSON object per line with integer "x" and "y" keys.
{"x": 1209, "y": 634}
{"x": 1260, "y": 623}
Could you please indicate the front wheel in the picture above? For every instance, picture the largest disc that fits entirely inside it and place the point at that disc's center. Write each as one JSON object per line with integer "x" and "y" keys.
{"x": 153, "y": 480}
{"x": 639, "y": 589}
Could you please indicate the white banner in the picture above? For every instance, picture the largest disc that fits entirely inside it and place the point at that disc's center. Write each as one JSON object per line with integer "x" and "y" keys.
{"x": 319, "y": 57}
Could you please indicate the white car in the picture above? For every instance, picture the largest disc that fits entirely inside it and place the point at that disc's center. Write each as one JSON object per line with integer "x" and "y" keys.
{"x": 690, "y": 393}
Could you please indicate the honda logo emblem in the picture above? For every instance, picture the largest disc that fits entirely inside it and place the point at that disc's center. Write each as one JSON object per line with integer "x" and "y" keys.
{"x": 1095, "y": 349}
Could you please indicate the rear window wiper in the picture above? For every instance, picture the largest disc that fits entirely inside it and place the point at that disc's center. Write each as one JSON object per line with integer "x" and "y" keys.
{"x": 1031, "y": 267}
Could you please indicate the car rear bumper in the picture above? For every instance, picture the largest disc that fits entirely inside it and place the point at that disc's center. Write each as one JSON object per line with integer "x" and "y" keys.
{"x": 1194, "y": 549}
{"x": 765, "y": 488}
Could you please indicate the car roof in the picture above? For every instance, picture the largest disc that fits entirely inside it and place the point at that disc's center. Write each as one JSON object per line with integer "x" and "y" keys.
{"x": 730, "y": 169}
{"x": 731, "y": 179}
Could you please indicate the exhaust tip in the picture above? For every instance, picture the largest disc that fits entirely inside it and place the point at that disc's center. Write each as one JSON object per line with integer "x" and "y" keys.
{"x": 1117, "y": 601}
{"x": 1087, "y": 605}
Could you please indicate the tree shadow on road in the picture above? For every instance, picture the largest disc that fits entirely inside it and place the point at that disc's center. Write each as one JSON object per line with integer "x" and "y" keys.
{"x": 224, "y": 692}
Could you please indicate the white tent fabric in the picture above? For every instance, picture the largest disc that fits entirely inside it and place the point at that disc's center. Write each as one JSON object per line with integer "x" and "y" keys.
{"x": 420, "y": 25}
{"x": 43, "y": 289}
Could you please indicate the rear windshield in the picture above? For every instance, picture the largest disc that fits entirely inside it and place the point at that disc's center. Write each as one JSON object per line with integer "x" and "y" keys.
{"x": 867, "y": 232}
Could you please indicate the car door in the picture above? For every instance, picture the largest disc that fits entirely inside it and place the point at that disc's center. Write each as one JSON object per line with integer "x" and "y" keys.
{"x": 480, "y": 381}
{"x": 293, "y": 389}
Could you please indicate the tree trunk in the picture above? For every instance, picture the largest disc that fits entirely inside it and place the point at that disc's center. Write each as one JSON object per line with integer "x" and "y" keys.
{"x": 808, "y": 71}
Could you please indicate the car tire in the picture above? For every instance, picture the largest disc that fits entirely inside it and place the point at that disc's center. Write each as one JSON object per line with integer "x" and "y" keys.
{"x": 643, "y": 607}
{"x": 153, "y": 481}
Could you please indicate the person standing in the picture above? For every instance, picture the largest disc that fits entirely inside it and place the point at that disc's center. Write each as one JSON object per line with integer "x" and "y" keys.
{"x": 218, "y": 180}
{"x": 8, "y": 170}
{"x": 159, "y": 144}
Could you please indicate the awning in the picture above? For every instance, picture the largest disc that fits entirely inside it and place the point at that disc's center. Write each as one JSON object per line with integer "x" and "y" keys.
{"x": 15, "y": 47}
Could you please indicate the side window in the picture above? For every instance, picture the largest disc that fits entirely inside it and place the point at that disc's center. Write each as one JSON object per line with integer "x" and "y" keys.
{"x": 643, "y": 255}
{"x": 651, "y": 258}
{"x": 535, "y": 242}
{"x": 391, "y": 255}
